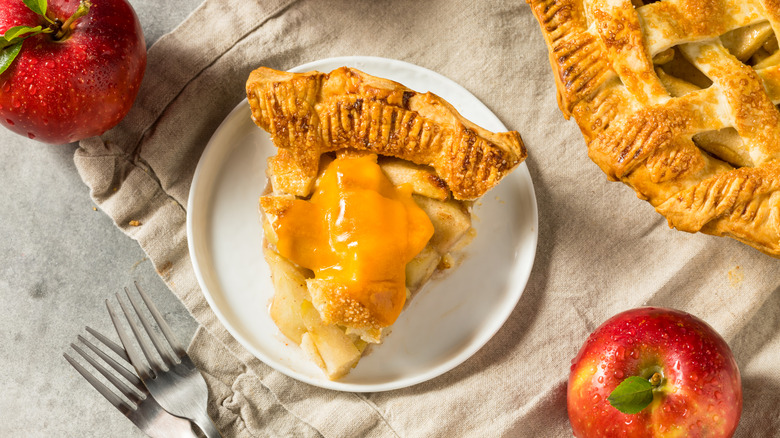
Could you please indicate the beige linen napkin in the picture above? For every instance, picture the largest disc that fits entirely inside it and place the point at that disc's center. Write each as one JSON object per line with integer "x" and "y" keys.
{"x": 600, "y": 250}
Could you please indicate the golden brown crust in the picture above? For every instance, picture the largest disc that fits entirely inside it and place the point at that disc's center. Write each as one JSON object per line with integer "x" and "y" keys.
{"x": 308, "y": 114}
{"x": 336, "y": 306}
{"x": 602, "y": 54}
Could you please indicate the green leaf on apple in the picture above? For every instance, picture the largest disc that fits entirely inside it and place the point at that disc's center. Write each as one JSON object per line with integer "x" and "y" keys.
{"x": 14, "y": 34}
{"x": 8, "y": 54}
{"x": 37, "y": 6}
{"x": 11, "y": 43}
{"x": 632, "y": 395}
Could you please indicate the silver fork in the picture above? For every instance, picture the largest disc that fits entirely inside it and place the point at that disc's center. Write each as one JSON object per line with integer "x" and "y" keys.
{"x": 145, "y": 413}
{"x": 175, "y": 383}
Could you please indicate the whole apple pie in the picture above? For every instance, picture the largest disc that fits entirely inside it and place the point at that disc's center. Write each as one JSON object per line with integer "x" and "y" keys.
{"x": 370, "y": 194}
{"x": 677, "y": 100}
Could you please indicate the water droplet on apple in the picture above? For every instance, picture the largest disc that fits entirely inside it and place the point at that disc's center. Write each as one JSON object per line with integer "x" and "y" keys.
{"x": 28, "y": 80}
{"x": 693, "y": 377}
{"x": 715, "y": 418}
{"x": 629, "y": 421}
{"x": 571, "y": 368}
{"x": 667, "y": 408}
{"x": 596, "y": 398}
{"x": 16, "y": 103}
{"x": 48, "y": 64}
{"x": 31, "y": 135}
{"x": 618, "y": 374}
{"x": 33, "y": 89}
{"x": 621, "y": 353}
{"x": 9, "y": 121}
{"x": 601, "y": 379}
{"x": 718, "y": 395}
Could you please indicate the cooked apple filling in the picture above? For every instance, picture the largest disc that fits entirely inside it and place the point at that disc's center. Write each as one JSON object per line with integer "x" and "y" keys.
{"x": 345, "y": 260}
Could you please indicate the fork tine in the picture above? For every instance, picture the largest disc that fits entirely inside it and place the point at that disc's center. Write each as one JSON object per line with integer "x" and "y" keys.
{"x": 120, "y": 385}
{"x": 140, "y": 366}
{"x": 142, "y": 340}
{"x": 164, "y": 353}
{"x": 99, "y": 386}
{"x": 109, "y": 343}
{"x": 127, "y": 374}
{"x": 167, "y": 332}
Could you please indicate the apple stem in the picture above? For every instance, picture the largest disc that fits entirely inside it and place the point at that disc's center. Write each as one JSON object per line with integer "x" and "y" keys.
{"x": 655, "y": 379}
{"x": 83, "y": 10}
{"x": 55, "y": 26}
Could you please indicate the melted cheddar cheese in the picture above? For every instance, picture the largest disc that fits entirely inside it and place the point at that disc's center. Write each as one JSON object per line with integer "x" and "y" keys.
{"x": 358, "y": 230}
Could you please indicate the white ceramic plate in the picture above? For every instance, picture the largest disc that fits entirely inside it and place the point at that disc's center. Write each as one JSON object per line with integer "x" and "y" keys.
{"x": 445, "y": 323}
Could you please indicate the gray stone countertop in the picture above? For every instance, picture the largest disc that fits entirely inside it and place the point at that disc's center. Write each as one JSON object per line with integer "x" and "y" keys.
{"x": 60, "y": 260}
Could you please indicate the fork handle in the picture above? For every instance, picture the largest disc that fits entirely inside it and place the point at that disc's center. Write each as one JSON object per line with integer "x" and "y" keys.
{"x": 207, "y": 426}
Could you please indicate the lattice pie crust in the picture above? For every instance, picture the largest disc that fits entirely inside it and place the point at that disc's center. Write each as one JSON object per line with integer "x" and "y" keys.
{"x": 677, "y": 100}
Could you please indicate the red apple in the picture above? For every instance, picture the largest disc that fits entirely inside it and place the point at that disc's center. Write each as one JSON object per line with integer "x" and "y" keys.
{"x": 673, "y": 368}
{"x": 76, "y": 81}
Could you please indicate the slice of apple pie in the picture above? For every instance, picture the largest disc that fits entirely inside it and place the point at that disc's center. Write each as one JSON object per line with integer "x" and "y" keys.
{"x": 370, "y": 194}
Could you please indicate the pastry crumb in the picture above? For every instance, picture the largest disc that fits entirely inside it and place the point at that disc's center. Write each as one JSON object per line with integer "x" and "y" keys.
{"x": 446, "y": 262}
{"x": 736, "y": 276}
{"x": 134, "y": 223}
